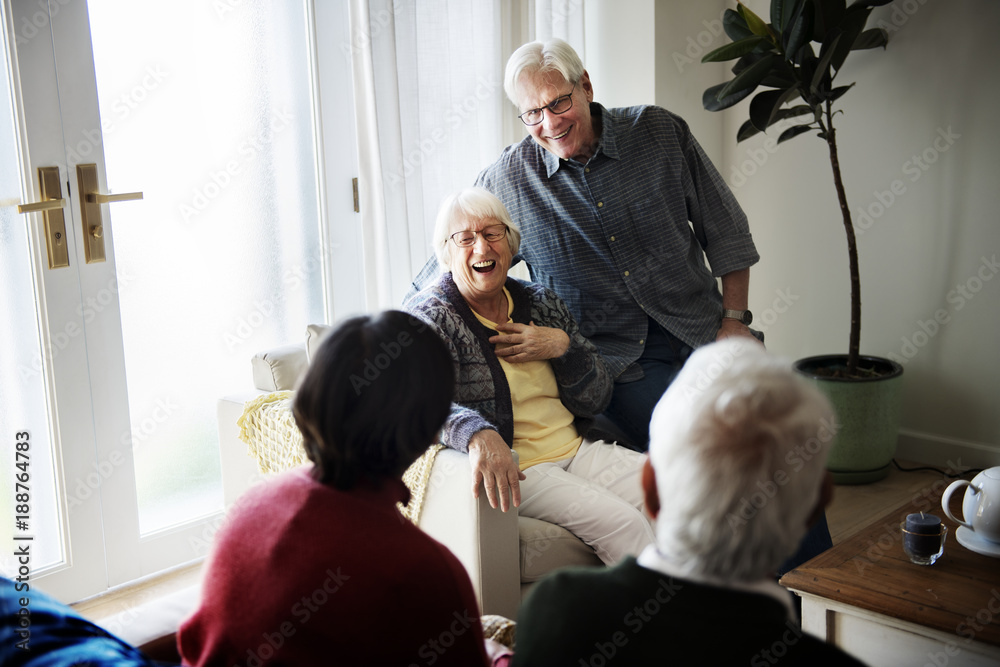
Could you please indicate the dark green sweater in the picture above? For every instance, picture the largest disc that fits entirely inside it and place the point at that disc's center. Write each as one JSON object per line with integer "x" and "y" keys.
{"x": 634, "y": 616}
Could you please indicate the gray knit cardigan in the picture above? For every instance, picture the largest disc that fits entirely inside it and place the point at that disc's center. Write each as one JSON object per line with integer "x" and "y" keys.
{"x": 482, "y": 395}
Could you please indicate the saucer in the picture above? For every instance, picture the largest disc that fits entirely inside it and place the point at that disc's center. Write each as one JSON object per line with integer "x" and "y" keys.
{"x": 968, "y": 539}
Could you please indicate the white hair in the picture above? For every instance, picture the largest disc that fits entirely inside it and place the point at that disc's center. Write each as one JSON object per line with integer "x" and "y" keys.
{"x": 554, "y": 55}
{"x": 739, "y": 445}
{"x": 478, "y": 204}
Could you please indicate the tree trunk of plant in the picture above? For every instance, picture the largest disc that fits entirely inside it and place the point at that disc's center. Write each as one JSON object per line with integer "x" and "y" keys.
{"x": 854, "y": 347}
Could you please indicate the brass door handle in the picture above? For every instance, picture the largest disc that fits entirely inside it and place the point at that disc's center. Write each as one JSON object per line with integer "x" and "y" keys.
{"x": 51, "y": 208}
{"x": 95, "y": 198}
{"x": 48, "y": 205}
{"x": 90, "y": 210}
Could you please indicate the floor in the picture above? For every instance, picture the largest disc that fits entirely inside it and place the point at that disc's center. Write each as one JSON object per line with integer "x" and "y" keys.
{"x": 855, "y": 507}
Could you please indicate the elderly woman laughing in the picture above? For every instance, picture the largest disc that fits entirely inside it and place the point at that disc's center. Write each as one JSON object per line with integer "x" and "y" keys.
{"x": 527, "y": 381}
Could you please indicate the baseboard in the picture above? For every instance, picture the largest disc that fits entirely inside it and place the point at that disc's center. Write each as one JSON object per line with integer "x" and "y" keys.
{"x": 946, "y": 452}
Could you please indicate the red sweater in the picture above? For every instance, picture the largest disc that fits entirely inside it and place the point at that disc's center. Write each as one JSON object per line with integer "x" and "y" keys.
{"x": 304, "y": 574}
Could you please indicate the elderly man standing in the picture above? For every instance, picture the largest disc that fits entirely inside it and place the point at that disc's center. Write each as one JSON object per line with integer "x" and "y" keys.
{"x": 732, "y": 424}
{"x": 619, "y": 209}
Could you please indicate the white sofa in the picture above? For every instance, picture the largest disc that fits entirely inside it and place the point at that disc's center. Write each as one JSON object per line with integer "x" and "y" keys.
{"x": 504, "y": 554}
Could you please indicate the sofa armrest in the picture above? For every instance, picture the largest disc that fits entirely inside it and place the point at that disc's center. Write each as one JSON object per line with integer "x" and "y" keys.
{"x": 239, "y": 469}
{"x": 484, "y": 539}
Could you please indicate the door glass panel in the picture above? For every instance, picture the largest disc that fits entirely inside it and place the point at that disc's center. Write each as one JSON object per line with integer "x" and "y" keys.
{"x": 23, "y": 407}
{"x": 206, "y": 108}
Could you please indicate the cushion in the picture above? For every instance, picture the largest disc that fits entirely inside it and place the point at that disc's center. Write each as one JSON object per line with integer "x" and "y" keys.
{"x": 279, "y": 369}
{"x": 499, "y": 629}
{"x": 545, "y": 547}
{"x": 315, "y": 333}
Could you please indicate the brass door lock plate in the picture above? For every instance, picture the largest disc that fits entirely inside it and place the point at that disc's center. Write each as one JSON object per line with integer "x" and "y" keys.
{"x": 51, "y": 207}
{"x": 90, "y": 214}
{"x": 90, "y": 211}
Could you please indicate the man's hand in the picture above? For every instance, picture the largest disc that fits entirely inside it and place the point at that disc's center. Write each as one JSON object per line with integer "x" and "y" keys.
{"x": 493, "y": 465}
{"x": 518, "y": 343}
{"x": 731, "y": 328}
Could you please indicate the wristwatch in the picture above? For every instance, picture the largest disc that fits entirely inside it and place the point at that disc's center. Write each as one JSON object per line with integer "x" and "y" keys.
{"x": 744, "y": 316}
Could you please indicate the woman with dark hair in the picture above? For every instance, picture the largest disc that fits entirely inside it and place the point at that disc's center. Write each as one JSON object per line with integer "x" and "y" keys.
{"x": 318, "y": 566}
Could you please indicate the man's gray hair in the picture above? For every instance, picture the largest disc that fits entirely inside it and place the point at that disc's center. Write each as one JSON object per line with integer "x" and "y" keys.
{"x": 553, "y": 55}
{"x": 739, "y": 445}
{"x": 478, "y": 204}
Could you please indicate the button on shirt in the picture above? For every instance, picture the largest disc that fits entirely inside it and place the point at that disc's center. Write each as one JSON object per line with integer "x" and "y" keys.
{"x": 612, "y": 237}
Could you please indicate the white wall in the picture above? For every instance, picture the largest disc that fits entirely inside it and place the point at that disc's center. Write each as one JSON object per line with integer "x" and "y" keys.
{"x": 686, "y": 31}
{"x": 619, "y": 39}
{"x": 637, "y": 52}
{"x": 921, "y": 119}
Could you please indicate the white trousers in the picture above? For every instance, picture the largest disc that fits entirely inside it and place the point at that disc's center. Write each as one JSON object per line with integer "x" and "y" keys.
{"x": 596, "y": 495}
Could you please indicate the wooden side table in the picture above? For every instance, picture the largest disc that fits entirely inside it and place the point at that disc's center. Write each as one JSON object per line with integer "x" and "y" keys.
{"x": 865, "y": 596}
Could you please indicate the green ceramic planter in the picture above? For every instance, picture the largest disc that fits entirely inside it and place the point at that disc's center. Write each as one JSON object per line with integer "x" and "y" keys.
{"x": 868, "y": 412}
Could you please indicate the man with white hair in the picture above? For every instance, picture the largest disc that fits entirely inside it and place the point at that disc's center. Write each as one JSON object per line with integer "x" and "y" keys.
{"x": 736, "y": 474}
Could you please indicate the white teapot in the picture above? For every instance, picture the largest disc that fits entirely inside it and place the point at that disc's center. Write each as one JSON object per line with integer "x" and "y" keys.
{"x": 980, "y": 509}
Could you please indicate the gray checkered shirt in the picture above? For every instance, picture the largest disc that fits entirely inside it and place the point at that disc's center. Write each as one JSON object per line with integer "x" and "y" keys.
{"x": 612, "y": 238}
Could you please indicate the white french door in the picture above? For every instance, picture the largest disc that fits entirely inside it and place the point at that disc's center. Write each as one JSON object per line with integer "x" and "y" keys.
{"x": 121, "y": 349}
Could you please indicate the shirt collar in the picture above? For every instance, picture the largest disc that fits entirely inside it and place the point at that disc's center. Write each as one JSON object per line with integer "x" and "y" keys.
{"x": 606, "y": 144}
{"x": 652, "y": 559}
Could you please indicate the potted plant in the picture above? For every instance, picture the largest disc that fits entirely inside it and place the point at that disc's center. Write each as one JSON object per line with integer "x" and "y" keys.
{"x": 795, "y": 59}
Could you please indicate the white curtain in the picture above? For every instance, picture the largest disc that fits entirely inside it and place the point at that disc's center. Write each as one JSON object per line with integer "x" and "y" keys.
{"x": 562, "y": 19}
{"x": 432, "y": 113}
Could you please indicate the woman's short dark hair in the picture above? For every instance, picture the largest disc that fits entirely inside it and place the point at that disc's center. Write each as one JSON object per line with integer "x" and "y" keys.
{"x": 374, "y": 398}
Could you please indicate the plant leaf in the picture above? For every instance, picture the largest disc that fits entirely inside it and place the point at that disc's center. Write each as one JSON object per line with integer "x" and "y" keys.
{"x": 793, "y": 132}
{"x": 754, "y": 22}
{"x": 746, "y": 131}
{"x": 747, "y": 60}
{"x": 792, "y": 112}
{"x": 778, "y": 113}
{"x": 777, "y": 9}
{"x": 733, "y": 50}
{"x": 871, "y": 39}
{"x": 805, "y": 54}
{"x": 765, "y": 107}
{"x": 838, "y": 92}
{"x": 807, "y": 66}
{"x": 828, "y": 14}
{"x": 800, "y": 30}
{"x": 848, "y": 31}
{"x": 782, "y": 12}
{"x": 749, "y": 78}
{"x": 712, "y": 102}
{"x": 777, "y": 80}
{"x": 823, "y": 66}
{"x": 762, "y": 107}
{"x": 735, "y": 25}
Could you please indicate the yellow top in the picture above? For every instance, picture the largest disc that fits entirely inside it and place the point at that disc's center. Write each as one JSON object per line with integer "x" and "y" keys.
{"x": 543, "y": 427}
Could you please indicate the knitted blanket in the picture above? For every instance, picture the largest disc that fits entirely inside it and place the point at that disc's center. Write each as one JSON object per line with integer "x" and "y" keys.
{"x": 275, "y": 442}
